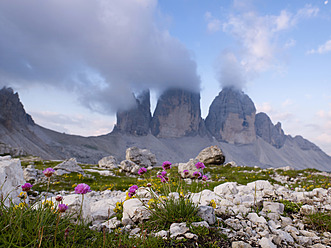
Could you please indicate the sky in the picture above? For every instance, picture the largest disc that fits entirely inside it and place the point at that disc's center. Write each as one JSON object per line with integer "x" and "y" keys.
{"x": 75, "y": 63}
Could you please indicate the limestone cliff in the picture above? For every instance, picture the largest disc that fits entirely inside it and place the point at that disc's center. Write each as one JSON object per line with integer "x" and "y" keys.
{"x": 273, "y": 134}
{"x": 136, "y": 121}
{"x": 231, "y": 117}
{"x": 12, "y": 113}
{"x": 177, "y": 114}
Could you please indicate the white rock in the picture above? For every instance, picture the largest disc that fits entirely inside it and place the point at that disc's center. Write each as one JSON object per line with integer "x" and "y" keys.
{"x": 240, "y": 244}
{"x": 191, "y": 236}
{"x": 200, "y": 223}
{"x": 177, "y": 229}
{"x": 112, "y": 223}
{"x": 74, "y": 203}
{"x": 211, "y": 155}
{"x": 229, "y": 188}
{"x": 133, "y": 209}
{"x": 68, "y": 166}
{"x": 103, "y": 209}
{"x": 142, "y": 157}
{"x": 109, "y": 162}
{"x": 11, "y": 179}
{"x": 207, "y": 213}
{"x": 307, "y": 209}
{"x": 260, "y": 185}
{"x": 190, "y": 166}
{"x": 162, "y": 233}
{"x": 266, "y": 243}
{"x": 253, "y": 217}
{"x": 204, "y": 197}
{"x": 273, "y": 207}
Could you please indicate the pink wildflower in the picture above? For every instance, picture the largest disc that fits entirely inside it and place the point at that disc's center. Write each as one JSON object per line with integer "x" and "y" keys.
{"x": 132, "y": 190}
{"x": 82, "y": 188}
{"x": 26, "y": 187}
{"x": 197, "y": 174}
{"x": 166, "y": 165}
{"x": 48, "y": 172}
{"x": 186, "y": 172}
{"x": 200, "y": 165}
{"x": 62, "y": 208}
{"x": 142, "y": 171}
{"x": 58, "y": 198}
{"x": 163, "y": 173}
{"x": 204, "y": 178}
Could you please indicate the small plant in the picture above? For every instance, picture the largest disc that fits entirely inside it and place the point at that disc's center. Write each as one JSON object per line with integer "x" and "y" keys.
{"x": 320, "y": 221}
{"x": 291, "y": 207}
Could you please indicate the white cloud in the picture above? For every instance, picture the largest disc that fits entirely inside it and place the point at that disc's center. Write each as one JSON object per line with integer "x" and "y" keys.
{"x": 290, "y": 43}
{"x": 257, "y": 36}
{"x": 213, "y": 24}
{"x": 101, "y": 49}
{"x": 325, "y": 48}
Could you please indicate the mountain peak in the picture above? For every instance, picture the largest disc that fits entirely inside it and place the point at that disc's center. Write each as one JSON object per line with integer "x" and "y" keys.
{"x": 12, "y": 113}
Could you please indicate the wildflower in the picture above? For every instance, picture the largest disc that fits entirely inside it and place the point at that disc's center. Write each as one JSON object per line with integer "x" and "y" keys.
{"x": 149, "y": 185}
{"x": 48, "y": 172}
{"x": 212, "y": 203}
{"x": 132, "y": 190}
{"x": 62, "y": 208}
{"x": 200, "y": 165}
{"x": 26, "y": 187}
{"x": 166, "y": 165}
{"x": 186, "y": 172}
{"x": 197, "y": 174}
{"x": 22, "y": 195}
{"x": 59, "y": 198}
{"x": 163, "y": 173}
{"x": 82, "y": 188}
{"x": 163, "y": 179}
{"x": 204, "y": 178}
{"x": 142, "y": 171}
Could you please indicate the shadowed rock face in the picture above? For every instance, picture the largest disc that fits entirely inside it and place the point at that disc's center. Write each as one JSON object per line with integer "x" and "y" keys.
{"x": 273, "y": 134}
{"x": 231, "y": 117}
{"x": 137, "y": 120}
{"x": 177, "y": 114}
{"x": 12, "y": 113}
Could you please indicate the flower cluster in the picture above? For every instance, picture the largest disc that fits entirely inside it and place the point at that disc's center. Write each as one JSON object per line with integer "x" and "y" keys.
{"x": 48, "y": 172}
{"x": 62, "y": 208}
{"x": 142, "y": 171}
{"x": 26, "y": 187}
{"x": 166, "y": 165}
{"x": 163, "y": 176}
{"x": 132, "y": 190}
{"x": 82, "y": 188}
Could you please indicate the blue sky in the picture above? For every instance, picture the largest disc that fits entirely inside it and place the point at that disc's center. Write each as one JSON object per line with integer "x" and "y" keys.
{"x": 75, "y": 62}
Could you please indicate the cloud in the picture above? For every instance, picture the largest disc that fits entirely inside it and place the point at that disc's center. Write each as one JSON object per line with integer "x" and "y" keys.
{"x": 213, "y": 24}
{"x": 257, "y": 37}
{"x": 63, "y": 123}
{"x": 102, "y": 50}
{"x": 325, "y": 48}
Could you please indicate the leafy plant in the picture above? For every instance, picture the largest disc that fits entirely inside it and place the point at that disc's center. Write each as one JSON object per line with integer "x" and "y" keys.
{"x": 291, "y": 207}
{"x": 320, "y": 221}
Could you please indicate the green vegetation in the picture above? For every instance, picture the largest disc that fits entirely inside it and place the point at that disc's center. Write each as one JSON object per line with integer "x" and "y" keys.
{"x": 291, "y": 207}
{"x": 320, "y": 221}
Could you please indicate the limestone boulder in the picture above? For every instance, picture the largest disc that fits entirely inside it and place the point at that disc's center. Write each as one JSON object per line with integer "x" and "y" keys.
{"x": 109, "y": 162}
{"x": 129, "y": 166}
{"x": 11, "y": 179}
{"x": 211, "y": 155}
{"x": 68, "y": 166}
{"x": 142, "y": 157}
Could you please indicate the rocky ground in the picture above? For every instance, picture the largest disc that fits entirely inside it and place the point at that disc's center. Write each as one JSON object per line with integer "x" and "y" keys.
{"x": 257, "y": 214}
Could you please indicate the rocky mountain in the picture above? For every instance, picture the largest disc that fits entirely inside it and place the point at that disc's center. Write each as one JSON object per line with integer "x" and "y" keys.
{"x": 176, "y": 132}
{"x": 272, "y": 134}
{"x": 177, "y": 114}
{"x": 136, "y": 121}
{"x": 231, "y": 117}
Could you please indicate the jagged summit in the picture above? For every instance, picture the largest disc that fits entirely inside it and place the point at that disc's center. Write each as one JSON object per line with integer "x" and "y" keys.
{"x": 12, "y": 113}
{"x": 231, "y": 117}
{"x": 177, "y": 114}
{"x": 136, "y": 121}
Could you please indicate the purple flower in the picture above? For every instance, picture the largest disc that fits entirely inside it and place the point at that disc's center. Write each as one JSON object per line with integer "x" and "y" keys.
{"x": 26, "y": 187}
{"x": 166, "y": 165}
{"x": 132, "y": 190}
{"x": 204, "y": 178}
{"x": 48, "y": 172}
{"x": 62, "y": 208}
{"x": 142, "y": 171}
{"x": 163, "y": 173}
{"x": 186, "y": 172}
{"x": 163, "y": 179}
{"x": 82, "y": 188}
{"x": 197, "y": 174}
{"x": 200, "y": 165}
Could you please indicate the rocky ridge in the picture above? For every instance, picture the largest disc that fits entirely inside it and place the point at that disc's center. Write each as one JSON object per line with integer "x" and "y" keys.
{"x": 175, "y": 132}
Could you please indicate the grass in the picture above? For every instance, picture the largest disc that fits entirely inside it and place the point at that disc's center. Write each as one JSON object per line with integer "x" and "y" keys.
{"x": 33, "y": 227}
